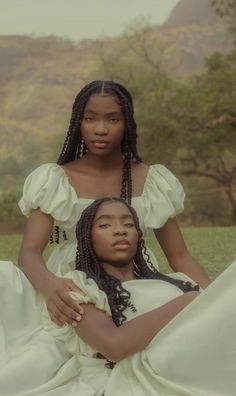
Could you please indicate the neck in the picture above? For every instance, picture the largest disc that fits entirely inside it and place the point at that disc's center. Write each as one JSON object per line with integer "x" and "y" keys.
{"x": 106, "y": 163}
{"x": 124, "y": 273}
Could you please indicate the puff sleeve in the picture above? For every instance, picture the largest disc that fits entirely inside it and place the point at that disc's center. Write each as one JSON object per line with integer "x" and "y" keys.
{"x": 67, "y": 333}
{"x": 163, "y": 197}
{"x": 48, "y": 189}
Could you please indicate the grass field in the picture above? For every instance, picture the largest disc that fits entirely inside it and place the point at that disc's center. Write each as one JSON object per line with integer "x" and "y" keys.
{"x": 214, "y": 248}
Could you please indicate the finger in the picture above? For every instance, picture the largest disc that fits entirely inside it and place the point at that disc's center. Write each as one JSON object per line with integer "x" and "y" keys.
{"x": 63, "y": 318}
{"x": 69, "y": 321}
{"x": 56, "y": 321}
{"x": 59, "y": 314}
{"x": 75, "y": 288}
{"x": 74, "y": 323}
{"x": 60, "y": 319}
{"x": 68, "y": 312}
{"x": 71, "y": 304}
{"x": 55, "y": 317}
{"x": 81, "y": 310}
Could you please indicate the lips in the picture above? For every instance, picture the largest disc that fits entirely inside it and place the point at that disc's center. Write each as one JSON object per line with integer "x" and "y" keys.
{"x": 100, "y": 144}
{"x": 121, "y": 242}
{"x": 100, "y": 141}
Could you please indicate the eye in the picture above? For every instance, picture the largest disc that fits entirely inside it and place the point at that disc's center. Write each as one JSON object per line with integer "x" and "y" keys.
{"x": 103, "y": 225}
{"x": 88, "y": 118}
{"x": 114, "y": 120}
{"x": 129, "y": 225}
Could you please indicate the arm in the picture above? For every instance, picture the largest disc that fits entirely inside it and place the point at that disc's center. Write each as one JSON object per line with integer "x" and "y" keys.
{"x": 62, "y": 308}
{"x": 177, "y": 254}
{"x": 116, "y": 343}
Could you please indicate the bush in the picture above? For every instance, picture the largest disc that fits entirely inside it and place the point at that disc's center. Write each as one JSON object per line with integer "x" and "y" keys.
{"x": 11, "y": 219}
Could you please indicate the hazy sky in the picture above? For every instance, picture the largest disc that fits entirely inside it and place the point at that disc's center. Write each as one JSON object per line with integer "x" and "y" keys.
{"x": 78, "y": 19}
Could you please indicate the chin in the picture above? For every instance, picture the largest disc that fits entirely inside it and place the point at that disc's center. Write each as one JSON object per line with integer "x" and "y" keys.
{"x": 120, "y": 264}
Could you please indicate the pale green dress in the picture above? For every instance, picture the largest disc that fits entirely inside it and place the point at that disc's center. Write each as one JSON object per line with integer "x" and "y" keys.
{"x": 39, "y": 358}
{"x": 194, "y": 355}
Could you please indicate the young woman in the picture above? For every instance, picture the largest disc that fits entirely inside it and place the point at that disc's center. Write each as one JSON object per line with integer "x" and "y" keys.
{"x": 191, "y": 354}
{"x": 134, "y": 316}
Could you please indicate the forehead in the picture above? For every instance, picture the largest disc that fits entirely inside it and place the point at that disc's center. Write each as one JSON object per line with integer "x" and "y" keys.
{"x": 113, "y": 209}
{"x": 107, "y": 103}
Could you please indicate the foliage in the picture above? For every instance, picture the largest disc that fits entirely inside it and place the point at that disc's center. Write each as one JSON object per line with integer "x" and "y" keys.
{"x": 210, "y": 119}
{"x": 11, "y": 218}
{"x": 190, "y": 124}
{"x": 225, "y": 7}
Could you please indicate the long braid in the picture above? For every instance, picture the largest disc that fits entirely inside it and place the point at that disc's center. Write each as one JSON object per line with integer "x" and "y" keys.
{"x": 146, "y": 270}
{"x": 126, "y": 185}
{"x": 87, "y": 261}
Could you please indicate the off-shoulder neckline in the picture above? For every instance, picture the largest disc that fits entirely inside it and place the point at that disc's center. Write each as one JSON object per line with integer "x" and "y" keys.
{"x": 93, "y": 199}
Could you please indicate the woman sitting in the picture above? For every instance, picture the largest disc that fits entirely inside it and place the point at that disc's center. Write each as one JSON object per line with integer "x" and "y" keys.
{"x": 141, "y": 332}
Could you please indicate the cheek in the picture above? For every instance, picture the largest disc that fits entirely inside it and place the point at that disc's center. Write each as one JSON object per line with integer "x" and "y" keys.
{"x": 99, "y": 243}
{"x": 136, "y": 244}
{"x": 122, "y": 132}
{"x": 84, "y": 130}
{"x": 86, "y": 127}
{"x": 118, "y": 132}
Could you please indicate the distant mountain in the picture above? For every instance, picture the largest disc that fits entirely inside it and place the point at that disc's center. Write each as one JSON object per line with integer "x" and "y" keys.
{"x": 198, "y": 32}
{"x": 192, "y": 12}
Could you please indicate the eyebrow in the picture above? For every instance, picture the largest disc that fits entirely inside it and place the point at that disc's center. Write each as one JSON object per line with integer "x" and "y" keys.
{"x": 110, "y": 217}
{"x": 108, "y": 114}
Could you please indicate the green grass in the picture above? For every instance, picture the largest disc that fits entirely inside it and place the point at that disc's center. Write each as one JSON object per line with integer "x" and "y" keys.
{"x": 214, "y": 248}
{"x": 9, "y": 246}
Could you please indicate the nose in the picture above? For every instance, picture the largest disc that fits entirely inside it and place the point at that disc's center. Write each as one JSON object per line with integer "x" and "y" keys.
{"x": 101, "y": 128}
{"x": 120, "y": 230}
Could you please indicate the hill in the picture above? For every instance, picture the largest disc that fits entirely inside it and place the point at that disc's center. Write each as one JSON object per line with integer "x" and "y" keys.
{"x": 199, "y": 32}
{"x": 192, "y": 12}
{"x": 39, "y": 79}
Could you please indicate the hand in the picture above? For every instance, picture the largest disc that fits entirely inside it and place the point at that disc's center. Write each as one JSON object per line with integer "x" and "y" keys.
{"x": 61, "y": 307}
{"x": 191, "y": 295}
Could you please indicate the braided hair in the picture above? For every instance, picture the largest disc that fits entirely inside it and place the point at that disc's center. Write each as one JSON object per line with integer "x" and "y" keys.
{"x": 74, "y": 147}
{"x": 88, "y": 262}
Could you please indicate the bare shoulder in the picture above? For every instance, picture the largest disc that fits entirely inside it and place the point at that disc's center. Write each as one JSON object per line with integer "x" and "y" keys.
{"x": 140, "y": 170}
{"x": 73, "y": 167}
{"x": 139, "y": 174}
{"x": 139, "y": 167}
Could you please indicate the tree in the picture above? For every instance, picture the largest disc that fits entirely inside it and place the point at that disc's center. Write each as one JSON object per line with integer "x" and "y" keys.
{"x": 140, "y": 63}
{"x": 226, "y": 9}
{"x": 187, "y": 125}
{"x": 210, "y": 119}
